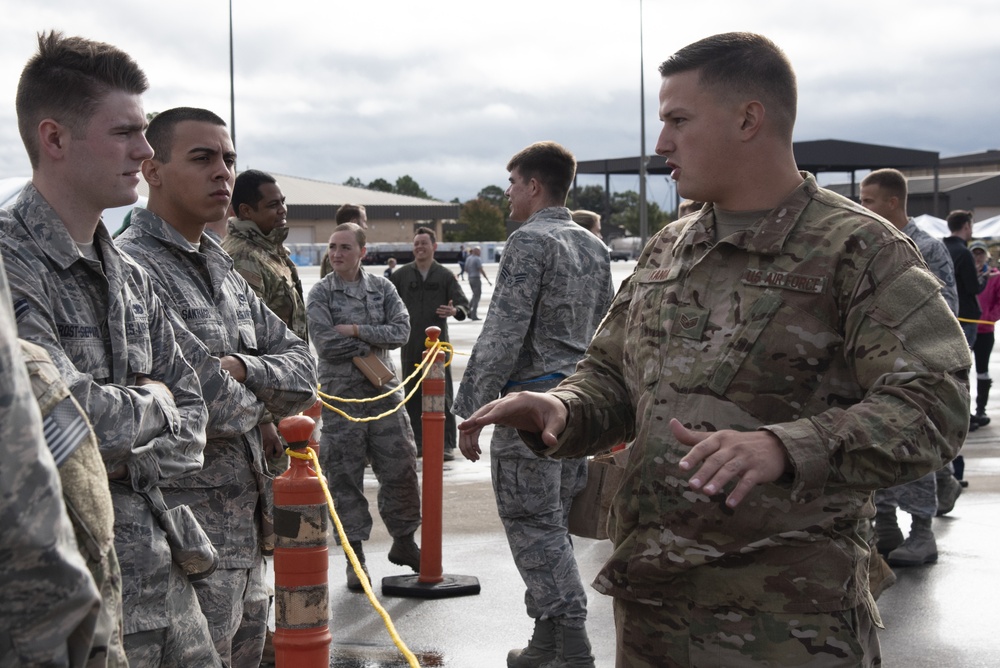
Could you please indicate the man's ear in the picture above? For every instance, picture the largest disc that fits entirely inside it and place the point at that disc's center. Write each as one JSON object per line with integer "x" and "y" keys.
{"x": 536, "y": 186}
{"x": 151, "y": 171}
{"x": 243, "y": 212}
{"x": 52, "y": 138}
{"x": 752, "y": 120}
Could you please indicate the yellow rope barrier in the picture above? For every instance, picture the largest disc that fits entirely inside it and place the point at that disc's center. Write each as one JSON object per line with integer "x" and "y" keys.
{"x": 422, "y": 369}
{"x": 977, "y": 322}
{"x": 310, "y": 455}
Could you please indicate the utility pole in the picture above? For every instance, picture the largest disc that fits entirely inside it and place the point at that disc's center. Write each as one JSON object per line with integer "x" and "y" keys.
{"x": 232, "y": 81}
{"x": 643, "y": 213}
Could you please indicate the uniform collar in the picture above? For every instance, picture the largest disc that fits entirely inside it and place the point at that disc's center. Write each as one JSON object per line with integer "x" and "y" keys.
{"x": 768, "y": 235}
{"x": 152, "y": 225}
{"x": 247, "y": 229}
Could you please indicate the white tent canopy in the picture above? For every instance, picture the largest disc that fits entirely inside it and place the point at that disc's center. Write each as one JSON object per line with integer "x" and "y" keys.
{"x": 936, "y": 227}
{"x": 989, "y": 228}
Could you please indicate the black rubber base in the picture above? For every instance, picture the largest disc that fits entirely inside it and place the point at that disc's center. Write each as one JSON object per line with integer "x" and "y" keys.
{"x": 449, "y": 587}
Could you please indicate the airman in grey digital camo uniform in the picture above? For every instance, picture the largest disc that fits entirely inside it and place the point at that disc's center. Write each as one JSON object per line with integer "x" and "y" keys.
{"x": 353, "y": 313}
{"x": 50, "y": 604}
{"x": 553, "y": 288}
{"x": 249, "y": 362}
{"x": 95, "y": 313}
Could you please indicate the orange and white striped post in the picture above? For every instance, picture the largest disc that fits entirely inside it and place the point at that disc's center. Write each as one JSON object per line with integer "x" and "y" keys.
{"x": 301, "y": 557}
{"x": 431, "y": 582}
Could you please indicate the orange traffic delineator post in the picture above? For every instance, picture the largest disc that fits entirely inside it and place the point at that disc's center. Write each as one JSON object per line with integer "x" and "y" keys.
{"x": 431, "y": 582}
{"x": 301, "y": 558}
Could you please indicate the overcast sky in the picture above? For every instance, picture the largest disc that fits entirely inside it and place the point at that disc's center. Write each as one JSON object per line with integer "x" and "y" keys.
{"x": 447, "y": 90}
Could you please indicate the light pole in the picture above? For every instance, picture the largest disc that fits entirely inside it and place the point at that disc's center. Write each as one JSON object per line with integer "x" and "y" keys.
{"x": 643, "y": 213}
{"x": 232, "y": 81}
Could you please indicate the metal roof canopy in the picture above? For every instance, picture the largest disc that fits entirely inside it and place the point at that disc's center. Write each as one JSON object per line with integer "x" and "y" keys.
{"x": 820, "y": 155}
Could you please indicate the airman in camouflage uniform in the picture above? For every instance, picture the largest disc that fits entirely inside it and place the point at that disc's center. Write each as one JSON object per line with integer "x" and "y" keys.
{"x": 50, "y": 604}
{"x": 254, "y": 241}
{"x": 372, "y": 305}
{"x": 771, "y": 377}
{"x": 884, "y": 191}
{"x": 207, "y": 298}
{"x": 553, "y": 287}
{"x": 88, "y": 500}
{"x": 96, "y": 315}
{"x": 106, "y": 342}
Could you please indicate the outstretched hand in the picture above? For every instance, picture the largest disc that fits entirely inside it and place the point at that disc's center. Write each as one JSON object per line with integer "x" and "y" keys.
{"x": 536, "y": 412}
{"x": 752, "y": 457}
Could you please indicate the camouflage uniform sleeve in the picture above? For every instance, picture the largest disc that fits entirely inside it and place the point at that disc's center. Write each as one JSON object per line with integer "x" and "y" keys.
{"x": 283, "y": 373}
{"x": 395, "y": 328}
{"x": 158, "y": 432}
{"x": 518, "y": 283}
{"x": 330, "y": 346}
{"x": 235, "y": 410}
{"x": 941, "y": 265}
{"x": 907, "y": 349}
{"x": 50, "y": 602}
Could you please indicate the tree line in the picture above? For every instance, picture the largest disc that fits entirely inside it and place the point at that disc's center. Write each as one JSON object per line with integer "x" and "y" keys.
{"x": 484, "y": 218}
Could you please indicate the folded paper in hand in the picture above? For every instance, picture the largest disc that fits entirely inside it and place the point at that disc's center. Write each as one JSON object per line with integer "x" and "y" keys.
{"x": 374, "y": 369}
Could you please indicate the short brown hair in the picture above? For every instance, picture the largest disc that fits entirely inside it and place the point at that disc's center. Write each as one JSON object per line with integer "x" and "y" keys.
{"x": 958, "y": 218}
{"x": 745, "y": 64}
{"x": 359, "y": 233}
{"x": 348, "y": 213}
{"x": 548, "y": 163}
{"x": 890, "y": 180}
{"x": 428, "y": 231}
{"x": 586, "y": 219}
{"x": 65, "y": 81}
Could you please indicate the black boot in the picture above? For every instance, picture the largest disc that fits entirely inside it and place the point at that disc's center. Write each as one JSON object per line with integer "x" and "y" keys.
{"x": 541, "y": 649}
{"x": 982, "y": 396}
{"x": 353, "y": 581}
{"x": 572, "y": 648}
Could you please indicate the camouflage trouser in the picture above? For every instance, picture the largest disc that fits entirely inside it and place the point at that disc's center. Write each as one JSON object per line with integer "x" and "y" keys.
{"x": 679, "y": 634}
{"x": 388, "y": 445}
{"x": 235, "y": 602}
{"x": 533, "y": 498}
{"x": 184, "y": 643}
{"x": 106, "y": 649}
{"x": 918, "y": 497}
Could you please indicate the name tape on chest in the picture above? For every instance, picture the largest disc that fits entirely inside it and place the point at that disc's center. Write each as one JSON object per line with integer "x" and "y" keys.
{"x": 783, "y": 279}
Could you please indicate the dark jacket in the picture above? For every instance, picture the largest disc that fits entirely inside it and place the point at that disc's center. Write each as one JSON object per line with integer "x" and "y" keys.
{"x": 966, "y": 278}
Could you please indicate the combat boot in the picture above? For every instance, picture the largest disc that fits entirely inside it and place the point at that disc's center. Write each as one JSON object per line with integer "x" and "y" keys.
{"x": 541, "y": 648}
{"x": 919, "y": 548}
{"x": 404, "y": 552}
{"x": 948, "y": 491}
{"x": 888, "y": 535}
{"x": 572, "y": 648}
{"x": 982, "y": 396}
{"x": 353, "y": 581}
